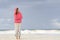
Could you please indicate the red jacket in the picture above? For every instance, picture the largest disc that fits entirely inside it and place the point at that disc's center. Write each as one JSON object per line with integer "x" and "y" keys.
{"x": 18, "y": 17}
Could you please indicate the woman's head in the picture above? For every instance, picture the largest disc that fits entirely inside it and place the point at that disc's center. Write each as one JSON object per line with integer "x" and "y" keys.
{"x": 17, "y": 10}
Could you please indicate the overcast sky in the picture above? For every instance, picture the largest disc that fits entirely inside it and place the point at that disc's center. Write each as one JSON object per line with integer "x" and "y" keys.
{"x": 37, "y": 14}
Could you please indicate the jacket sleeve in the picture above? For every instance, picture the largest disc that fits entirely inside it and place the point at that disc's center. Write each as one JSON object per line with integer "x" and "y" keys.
{"x": 19, "y": 17}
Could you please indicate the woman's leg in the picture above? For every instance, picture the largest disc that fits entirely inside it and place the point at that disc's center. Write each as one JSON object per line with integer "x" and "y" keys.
{"x": 17, "y": 30}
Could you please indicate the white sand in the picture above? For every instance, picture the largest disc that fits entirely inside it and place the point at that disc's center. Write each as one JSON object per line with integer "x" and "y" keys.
{"x": 30, "y": 37}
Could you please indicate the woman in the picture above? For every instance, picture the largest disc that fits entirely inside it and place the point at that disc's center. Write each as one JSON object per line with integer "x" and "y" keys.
{"x": 17, "y": 21}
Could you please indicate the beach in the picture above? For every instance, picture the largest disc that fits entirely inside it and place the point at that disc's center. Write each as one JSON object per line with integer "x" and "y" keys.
{"x": 29, "y": 36}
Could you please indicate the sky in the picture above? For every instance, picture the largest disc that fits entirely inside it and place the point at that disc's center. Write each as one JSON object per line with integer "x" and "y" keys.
{"x": 37, "y": 14}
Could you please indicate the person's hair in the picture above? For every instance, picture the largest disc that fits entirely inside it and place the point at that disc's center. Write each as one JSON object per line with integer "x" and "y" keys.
{"x": 17, "y": 11}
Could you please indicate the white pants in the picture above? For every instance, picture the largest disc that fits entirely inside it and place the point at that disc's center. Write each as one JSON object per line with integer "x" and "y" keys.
{"x": 17, "y": 29}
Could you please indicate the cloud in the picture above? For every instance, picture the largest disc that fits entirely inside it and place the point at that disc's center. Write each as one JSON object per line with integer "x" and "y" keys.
{"x": 9, "y": 20}
{"x": 5, "y": 19}
{"x": 53, "y": 1}
{"x": 55, "y": 22}
{"x": 8, "y": 3}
